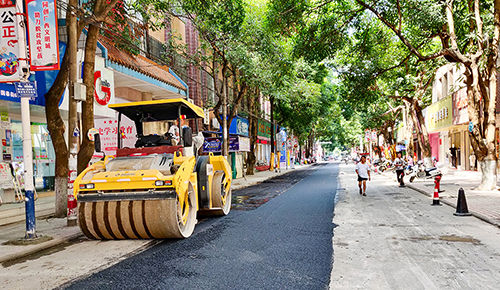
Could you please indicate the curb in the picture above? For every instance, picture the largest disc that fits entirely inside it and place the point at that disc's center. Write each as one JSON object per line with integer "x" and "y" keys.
{"x": 451, "y": 204}
{"x": 40, "y": 247}
{"x": 271, "y": 176}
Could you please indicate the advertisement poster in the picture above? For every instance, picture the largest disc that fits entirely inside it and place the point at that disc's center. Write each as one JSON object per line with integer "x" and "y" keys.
{"x": 9, "y": 45}
{"x": 42, "y": 35}
{"x": 7, "y": 137}
{"x": 5, "y": 176}
{"x": 215, "y": 144}
{"x": 108, "y": 130}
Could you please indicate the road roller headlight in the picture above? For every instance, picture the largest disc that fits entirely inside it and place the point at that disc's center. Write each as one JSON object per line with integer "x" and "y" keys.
{"x": 87, "y": 186}
{"x": 163, "y": 182}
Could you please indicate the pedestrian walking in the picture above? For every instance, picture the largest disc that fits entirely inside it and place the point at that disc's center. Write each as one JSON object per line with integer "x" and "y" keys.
{"x": 363, "y": 171}
{"x": 400, "y": 169}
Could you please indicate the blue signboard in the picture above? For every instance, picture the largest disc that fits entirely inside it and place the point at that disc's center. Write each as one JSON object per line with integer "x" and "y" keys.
{"x": 26, "y": 90}
{"x": 239, "y": 126}
{"x": 281, "y": 142}
{"x": 215, "y": 144}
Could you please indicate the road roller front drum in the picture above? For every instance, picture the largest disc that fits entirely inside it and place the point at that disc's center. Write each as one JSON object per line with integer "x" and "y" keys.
{"x": 139, "y": 219}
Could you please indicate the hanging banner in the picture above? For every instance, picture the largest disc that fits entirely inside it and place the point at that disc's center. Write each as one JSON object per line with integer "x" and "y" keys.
{"x": 9, "y": 45}
{"x": 42, "y": 35}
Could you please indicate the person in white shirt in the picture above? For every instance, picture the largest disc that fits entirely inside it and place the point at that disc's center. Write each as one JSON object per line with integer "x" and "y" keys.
{"x": 174, "y": 130}
{"x": 363, "y": 171}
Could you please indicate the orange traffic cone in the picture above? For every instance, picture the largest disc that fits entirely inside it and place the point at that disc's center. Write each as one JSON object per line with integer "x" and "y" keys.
{"x": 435, "y": 199}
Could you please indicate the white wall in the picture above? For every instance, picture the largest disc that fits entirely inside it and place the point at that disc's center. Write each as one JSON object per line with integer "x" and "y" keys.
{"x": 107, "y": 74}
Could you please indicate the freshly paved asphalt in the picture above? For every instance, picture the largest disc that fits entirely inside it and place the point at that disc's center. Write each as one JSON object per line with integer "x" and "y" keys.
{"x": 285, "y": 243}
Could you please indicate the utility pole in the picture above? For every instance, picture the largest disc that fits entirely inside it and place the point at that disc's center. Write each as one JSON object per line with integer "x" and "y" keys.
{"x": 26, "y": 126}
{"x": 73, "y": 133}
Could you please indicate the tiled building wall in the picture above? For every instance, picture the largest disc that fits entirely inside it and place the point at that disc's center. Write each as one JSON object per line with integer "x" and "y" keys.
{"x": 194, "y": 75}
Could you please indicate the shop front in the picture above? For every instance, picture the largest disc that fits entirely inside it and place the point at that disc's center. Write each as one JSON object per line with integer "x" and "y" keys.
{"x": 439, "y": 121}
{"x": 263, "y": 152}
{"x": 239, "y": 144}
{"x": 238, "y": 147}
{"x": 459, "y": 133}
{"x": 239, "y": 128}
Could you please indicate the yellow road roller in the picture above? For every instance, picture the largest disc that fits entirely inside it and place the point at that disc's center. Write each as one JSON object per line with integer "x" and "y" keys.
{"x": 155, "y": 189}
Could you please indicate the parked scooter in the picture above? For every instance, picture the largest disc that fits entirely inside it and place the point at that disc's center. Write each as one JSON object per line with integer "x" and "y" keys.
{"x": 419, "y": 171}
{"x": 385, "y": 164}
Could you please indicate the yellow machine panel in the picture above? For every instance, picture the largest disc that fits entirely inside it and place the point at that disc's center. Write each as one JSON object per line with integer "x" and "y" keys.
{"x": 156, "y": 192}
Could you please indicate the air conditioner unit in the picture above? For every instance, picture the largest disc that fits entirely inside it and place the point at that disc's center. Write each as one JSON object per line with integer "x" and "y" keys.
{"x": 215, "y": 123}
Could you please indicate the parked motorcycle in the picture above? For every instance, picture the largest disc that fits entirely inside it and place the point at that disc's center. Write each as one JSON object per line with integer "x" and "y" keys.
{"x": 385, "y": 164}
{"x": 419, "y": 171}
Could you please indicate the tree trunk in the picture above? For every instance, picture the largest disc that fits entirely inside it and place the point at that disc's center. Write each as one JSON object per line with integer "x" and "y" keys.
{"x": 422, "y": 134}
{"x": 252, "y": 130}
{"x": 87, "y": 146}
{"x": 56, "y": 128}
{"x": 482, "y": 136}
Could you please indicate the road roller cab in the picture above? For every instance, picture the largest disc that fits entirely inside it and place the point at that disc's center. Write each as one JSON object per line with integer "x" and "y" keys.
{"x": 157, "y": 188}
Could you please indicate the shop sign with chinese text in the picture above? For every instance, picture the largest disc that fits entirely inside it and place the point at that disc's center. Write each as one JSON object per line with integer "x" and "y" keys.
{"x": 439, "y": 114}
{"x": 214, "y": 144}
{"x": 26, "y": 90}
{"x": 108, "y": 130}
{"x": 42, "y": 35}
{"x": 264, "y": 129}
{"x": 9, "y": 45}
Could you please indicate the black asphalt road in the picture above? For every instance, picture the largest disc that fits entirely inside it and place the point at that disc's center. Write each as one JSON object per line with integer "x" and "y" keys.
{"x": 279, "y": 236}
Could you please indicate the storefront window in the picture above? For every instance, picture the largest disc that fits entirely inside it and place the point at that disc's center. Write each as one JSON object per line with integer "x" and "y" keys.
{"x": 43, "y": 154}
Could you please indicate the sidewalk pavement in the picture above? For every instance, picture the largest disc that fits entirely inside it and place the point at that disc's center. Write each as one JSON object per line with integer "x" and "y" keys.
{"x": 54, "y": 231}
{"x": 484, "y": 205}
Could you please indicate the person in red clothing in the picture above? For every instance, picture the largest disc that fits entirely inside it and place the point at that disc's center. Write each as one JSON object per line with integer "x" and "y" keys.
{"x": 400, "y": 169}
